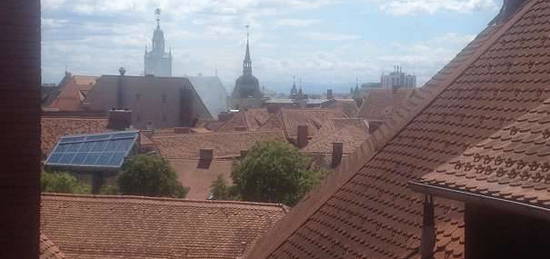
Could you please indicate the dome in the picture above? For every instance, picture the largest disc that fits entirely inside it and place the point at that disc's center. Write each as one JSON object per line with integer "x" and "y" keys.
{"x": 247, "y": 86}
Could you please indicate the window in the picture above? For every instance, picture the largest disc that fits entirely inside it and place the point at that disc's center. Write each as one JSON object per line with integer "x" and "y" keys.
{"x": 138, "y": 97}
{"x": 163, "y": 98}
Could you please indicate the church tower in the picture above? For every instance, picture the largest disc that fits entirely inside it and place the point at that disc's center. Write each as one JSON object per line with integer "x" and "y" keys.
{"x": 157, "y": 61}
{"x": 247, "y": 93}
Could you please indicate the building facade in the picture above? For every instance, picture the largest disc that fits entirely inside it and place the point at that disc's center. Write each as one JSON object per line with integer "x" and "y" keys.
{"x": 398, "y": 79}
{"x": 158, "y": 62}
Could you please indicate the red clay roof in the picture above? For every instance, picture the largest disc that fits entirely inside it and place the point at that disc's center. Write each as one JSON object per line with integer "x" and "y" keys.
{"x": 313, "y": 118}
{"x": 365, "y": 209}
{"x": 225, "y": 145}
{"x": 512, "y": 164}
{"x": 199, "y": 175}
{"x": 379, "y": 104}
{"x": 73, "y": 93}
{"x": 110, "y": 227}
{"x": 55, "y": 127}
{"x": 347, "y": 106}
{"x": 351, "y": 132}
{"x": 250, "y": 120}
{"x": 48, "y": 250}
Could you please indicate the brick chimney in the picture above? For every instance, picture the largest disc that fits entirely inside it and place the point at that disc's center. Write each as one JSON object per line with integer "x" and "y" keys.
{"x": 330, "y": 96}
{"x": 206, "y": 154}
{"x": 302, "y": 138}
{"x": 337, "y": 154}
{"x": 119, "y": 119}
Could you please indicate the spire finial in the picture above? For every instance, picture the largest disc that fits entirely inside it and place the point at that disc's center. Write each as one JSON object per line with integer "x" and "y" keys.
{"x": 157, "y": 13}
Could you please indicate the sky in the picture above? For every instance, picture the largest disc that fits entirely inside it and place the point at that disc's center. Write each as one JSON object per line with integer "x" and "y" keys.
{"x": 326, "y": 43}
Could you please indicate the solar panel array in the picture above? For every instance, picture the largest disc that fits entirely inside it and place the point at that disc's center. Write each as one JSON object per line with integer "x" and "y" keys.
{"x": 106, "y": 150}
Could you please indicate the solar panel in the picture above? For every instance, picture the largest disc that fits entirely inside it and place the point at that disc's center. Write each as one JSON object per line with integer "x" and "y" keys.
{"x": 95, "y": 151}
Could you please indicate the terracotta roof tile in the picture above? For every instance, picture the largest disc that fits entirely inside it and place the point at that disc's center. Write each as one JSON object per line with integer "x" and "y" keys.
{"x": 379, "y": 104}
{"x": 111, "y": 227}
{"x": 48, "y": 250}
{"x": 313, "y": 118}
{"x": 251, "y": 119}
{"x": 225, "y": 145}
{"x": 73, "y": 92}
{"x": 55, "y": 127}
{"x": 351, "y": 132}
{"x": 365, "y": 209}
{"x": 347, "y": 106}
{"x": 199, "y": 175}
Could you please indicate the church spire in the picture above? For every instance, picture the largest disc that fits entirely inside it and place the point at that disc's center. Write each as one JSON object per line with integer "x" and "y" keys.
{"x": 247, "y": 64}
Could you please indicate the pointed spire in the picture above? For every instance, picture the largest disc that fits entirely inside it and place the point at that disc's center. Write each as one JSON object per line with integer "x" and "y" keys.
{"x": 247, "y": 64}
{"x": 157, "y": 13}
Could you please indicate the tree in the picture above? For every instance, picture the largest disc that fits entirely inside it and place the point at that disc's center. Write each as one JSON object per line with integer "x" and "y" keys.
{"x": 220, "y": 190}
{"x": 150, "y": 175}
{"x": 62, "y": 182}
{"x": 274, "y": 172}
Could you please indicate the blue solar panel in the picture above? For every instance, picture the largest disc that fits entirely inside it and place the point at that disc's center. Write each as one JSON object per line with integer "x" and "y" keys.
{"x": 106, "y": 150}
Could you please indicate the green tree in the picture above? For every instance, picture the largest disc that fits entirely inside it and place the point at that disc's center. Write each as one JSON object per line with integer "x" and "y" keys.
{"x": 62, "y": 182}
{"x": 220, "y": 190}
{"x": 150, "y": 175}
{"x": 274, "y": 172}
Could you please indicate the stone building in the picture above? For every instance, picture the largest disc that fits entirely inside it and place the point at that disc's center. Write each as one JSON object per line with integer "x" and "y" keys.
{"x": 398, "y": 79}
{"x": 247, "y": 93}
{"x": 158, "y": 62}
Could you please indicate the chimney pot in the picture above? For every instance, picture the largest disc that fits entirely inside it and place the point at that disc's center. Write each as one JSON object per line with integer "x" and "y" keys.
{"x": 302, "y": 140}
{"x": 206, "y": 154}
{"x": 337, "y": 154}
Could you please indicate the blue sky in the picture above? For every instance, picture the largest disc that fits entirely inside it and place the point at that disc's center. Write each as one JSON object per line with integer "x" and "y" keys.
{"x": 327, "y": 43}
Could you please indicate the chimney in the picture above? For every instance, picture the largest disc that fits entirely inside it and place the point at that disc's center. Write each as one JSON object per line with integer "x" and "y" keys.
{"x": 329, "y": 94}
{"x": 120, "y": 89}
{"x": 119, "y": 119}
{"x": 206, "y": 154}
{"x": 182, "y": 130}
{"x": 337, "y": 154}
{"x": 302, "y": 139}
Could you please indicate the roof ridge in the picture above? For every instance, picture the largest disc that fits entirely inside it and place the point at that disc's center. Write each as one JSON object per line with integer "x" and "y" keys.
{"x": 218, "y": 133}
{"x": 163, "y": 199}
{"x": 419, "y": 100}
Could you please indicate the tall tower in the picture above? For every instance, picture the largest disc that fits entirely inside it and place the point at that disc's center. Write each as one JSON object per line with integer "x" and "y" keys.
{"x": 157, "y": 61}
{"x": 247, "y": 92}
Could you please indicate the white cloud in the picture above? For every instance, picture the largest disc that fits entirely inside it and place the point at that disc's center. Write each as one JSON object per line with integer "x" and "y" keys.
{"x": 296, "y": 22}
{"x": 325, "y": 36}
{"x": 408, "y": 7}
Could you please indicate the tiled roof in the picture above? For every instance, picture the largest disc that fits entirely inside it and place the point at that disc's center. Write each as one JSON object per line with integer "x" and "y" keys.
{"x": 313, "y": 118}
{"x": 48, "y": 250}
{"x": 225, "y": 145}
{"x": 73, "y": 92}
{"x": 365, "y": 209}
{"x": 199, "y": 175}
{"x": 512, "y": 164}
{"x": 110, "y": 227}
{"x": 351, "y": 132}
{"x": 55, "y": 127}
{"x": 379, "y": 104}
{"x": 250, "y": 120}
{"x": 347, "y": 106}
